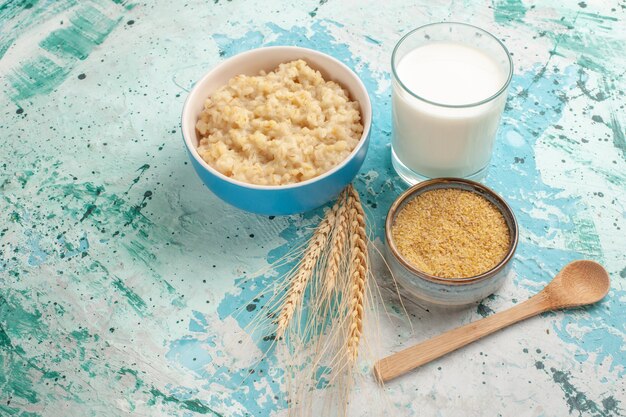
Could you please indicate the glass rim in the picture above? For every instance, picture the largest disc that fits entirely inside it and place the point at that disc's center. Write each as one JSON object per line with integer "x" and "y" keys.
{"x": 477, "y": 103}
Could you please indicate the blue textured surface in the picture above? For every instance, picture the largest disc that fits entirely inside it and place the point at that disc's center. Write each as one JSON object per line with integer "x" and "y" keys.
{"x": 125, "y": 285}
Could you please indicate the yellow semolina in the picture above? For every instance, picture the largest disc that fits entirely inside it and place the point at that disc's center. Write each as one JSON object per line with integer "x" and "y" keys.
{"x": 451, "y": 233}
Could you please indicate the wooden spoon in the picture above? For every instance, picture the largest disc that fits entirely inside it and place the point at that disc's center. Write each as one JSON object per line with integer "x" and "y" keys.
{"x": 579, "y": 283}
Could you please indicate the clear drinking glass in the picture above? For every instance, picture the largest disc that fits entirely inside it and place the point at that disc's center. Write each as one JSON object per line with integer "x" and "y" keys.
{"x": 449, "y": 87}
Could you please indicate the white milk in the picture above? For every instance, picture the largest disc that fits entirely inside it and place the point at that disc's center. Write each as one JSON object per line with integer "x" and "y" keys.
{"x": 434, "y": 140}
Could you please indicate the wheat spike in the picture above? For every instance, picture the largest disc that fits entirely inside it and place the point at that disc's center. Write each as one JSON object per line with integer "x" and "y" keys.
{"x": 358, "y": 271}
{"x": 337, "y": 247}
{"x": 305, "y": 270}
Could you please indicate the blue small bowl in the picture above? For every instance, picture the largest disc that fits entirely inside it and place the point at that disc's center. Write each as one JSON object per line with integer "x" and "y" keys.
{"x": 282, "y": 199}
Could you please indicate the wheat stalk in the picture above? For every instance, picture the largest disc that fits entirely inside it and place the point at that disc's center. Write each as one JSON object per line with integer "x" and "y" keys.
{"x": 358, "y": 272}
{"x": 337, "y": 247}
{"x": 305, "y": 270}
{"x": 326, "y": 333}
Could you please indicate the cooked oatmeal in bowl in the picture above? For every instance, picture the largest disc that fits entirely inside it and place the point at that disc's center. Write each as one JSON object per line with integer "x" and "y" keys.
{"x": 277, "y": 128}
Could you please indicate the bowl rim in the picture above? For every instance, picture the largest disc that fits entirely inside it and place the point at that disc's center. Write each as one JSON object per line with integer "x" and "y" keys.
{"x": 365, "y": 110}
{"x": 417, "y": 189}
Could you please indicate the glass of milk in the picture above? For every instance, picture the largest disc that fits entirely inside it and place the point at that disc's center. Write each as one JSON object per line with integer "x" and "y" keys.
{"x": 449, "y": 88}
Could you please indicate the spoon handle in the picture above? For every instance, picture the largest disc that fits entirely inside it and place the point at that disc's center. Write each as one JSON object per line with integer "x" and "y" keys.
{"x": 410, "y": 358}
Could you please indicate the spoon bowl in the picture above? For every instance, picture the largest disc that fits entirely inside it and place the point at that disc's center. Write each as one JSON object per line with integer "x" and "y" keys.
{"x": 579, "y": 283}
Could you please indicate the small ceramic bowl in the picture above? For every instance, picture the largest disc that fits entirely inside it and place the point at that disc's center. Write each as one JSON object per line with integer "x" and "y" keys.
{"x": 449, "y": 291}
{"x": 283, "y": 199}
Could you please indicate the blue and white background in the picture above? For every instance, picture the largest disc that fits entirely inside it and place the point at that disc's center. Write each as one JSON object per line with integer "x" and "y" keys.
{"x": 120, "y": 273}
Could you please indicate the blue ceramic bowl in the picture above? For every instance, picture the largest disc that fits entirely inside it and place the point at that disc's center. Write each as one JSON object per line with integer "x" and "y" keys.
{"x": 283, "y": 199}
